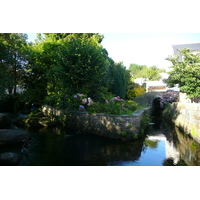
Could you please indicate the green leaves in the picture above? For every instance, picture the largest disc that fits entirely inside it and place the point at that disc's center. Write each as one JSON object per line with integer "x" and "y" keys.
{"x": 150, "y": 73}
{"x": 184, "y": 73}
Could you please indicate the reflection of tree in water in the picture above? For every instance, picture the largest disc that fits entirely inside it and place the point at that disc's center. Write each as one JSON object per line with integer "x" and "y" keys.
{"x": 150, "y": 143}
{"x": 53, "y": 147}
{"x": 95, "y": 150}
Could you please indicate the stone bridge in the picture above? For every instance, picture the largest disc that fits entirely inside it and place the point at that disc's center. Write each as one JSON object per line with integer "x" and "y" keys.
{"x": 147, "y": 98}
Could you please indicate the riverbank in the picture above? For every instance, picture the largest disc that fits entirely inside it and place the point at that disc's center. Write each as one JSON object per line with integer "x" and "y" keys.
{"x": 125, "y": 127}
{"x": 185, "y": 116}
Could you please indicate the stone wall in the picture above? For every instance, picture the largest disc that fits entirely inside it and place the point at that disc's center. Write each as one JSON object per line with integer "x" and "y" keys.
{"x": 183, "y": 97}
{"x": 186, "y": 116}
{"x": 147, "y": 98}
{"x": 111, "y": 126}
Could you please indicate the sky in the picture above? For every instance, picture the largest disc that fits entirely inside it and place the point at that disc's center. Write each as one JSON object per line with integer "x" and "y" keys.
{"x": 150, "y": 49}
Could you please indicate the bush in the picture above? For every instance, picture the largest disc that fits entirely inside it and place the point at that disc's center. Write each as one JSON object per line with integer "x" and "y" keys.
{"x": 114, "y": 106}
{"x": 168, "y": 97}
{"x": 135, "y": 90}
{"x": 80, "y": 102}
{"x": 76, "y": 102}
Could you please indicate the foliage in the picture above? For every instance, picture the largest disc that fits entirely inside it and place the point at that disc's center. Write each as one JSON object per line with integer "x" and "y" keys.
{"x": 12, "y": 60}
{"x": 168, "y": 97}
{"x": 144, "y": 122}
{"x": 149, "y": 73}
{"x": 116, "y": 106}
{"x": 135, "y": 90}
{"x": 119, "y": 80}
{"x": 77, "y": 102}
{"x": 56, "y": 65}
{"x": 186, "y": 73}
{"x": 139, "y": 91}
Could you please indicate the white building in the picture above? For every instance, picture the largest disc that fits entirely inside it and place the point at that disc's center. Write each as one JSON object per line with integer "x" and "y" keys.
{"x": 160, "y": 86}
{"x": 140, "y": 81}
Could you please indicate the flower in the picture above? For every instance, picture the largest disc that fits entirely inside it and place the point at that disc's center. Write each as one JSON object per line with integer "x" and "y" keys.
{"x": 81, "y": 107}
{"x": 80, "y": 95}
{"x": 75, "y": 96}
{"x": 84, "y": 101}
{"x": 107, "y": 101}
{"x": 89, "y": 101}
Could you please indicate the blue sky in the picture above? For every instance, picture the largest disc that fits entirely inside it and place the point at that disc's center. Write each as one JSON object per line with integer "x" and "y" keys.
{"x": 143, "y": 48}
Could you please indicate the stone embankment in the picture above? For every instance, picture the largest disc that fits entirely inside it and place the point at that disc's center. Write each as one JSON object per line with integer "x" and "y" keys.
{"x": 111, "y": 126}
{"x": 185, "y": 115}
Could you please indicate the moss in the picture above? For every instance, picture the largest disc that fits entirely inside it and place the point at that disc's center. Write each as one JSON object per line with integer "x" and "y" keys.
{"x": 194, "y": 132}
{"x": 129, "y": 126}
{"x": 144, "y": 122}
{"x": 123, "y": 133}
{"x": 194, "y": 146}
{"x": 135, "y": 136}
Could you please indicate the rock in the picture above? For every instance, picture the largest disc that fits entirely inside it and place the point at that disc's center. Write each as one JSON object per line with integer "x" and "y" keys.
{"x": 39, "y": 114}
{"x": 9, "y": 158}
{"x": 33, "y": 122}
{"x": 36, "y": 120}
{"x": 45, "y": 121}
{"x": 10, "y": 136}
{"x": 20, "y": 122}
{"x": 39, "y": 122}
{"x": 4, "y": 122}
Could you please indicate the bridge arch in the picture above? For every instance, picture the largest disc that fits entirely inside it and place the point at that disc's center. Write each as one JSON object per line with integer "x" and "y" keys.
{"x": 148, "y": 98}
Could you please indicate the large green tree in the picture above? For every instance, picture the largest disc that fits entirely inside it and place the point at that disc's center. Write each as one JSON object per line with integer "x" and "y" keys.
{"x": 12, "y": 59}
{"x": 64, "y": 64}
{"x": 186, "y": 73}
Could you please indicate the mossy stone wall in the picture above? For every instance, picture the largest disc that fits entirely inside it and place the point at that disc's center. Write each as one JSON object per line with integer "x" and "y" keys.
{"x": 111, "y": 126}
{"x": 185, "y": 116}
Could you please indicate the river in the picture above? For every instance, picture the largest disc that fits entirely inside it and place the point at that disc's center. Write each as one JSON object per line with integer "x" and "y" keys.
{"x": 162, "y": 146}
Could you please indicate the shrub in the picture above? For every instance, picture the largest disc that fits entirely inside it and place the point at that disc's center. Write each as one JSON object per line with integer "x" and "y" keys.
{"x": 76, "y": 102}
{"x": 168, "y": 97}
{"x": 116, "y": 106}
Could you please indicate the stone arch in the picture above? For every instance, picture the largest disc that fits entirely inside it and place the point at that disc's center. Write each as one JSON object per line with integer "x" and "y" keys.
{"x": 148, "y": 98}
{"x": 156, "y": 110}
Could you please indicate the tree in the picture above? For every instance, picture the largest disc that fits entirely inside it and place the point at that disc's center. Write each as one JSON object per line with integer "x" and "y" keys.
{"x": 185, "y": 73}
{"x": 12, "y": 60}
{"x": 63, "y": 36}
{"x": 64, "y": 64}
{"x": 142, "y": 71}
{"x": 119, "y": 80}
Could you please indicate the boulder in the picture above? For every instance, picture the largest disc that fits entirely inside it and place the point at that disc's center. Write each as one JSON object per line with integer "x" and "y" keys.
{"x": 11, "y": 136}
{"x": 33, "y": 122}
{"x": 4, "y": 122}
{"x": 9, "y": 158}
{"x": 45, "y": 121}
{"x": 39, "y": 114}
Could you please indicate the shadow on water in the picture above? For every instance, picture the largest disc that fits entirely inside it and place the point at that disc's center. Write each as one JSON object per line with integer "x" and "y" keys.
{"x": 55, "y": 147}
{"x": 58, "y": 146}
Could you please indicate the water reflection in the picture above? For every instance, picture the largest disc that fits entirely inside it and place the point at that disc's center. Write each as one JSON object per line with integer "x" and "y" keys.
{"x": 188, "y": 148}
{"x": 51, "y": 148}
{"x": 163, "y": 145}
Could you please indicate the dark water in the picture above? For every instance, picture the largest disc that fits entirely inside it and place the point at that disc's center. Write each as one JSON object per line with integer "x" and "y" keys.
{"x": 163, "y": 146}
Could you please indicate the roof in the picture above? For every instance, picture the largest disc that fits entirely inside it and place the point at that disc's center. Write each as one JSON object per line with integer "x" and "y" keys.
{"x": 192, "y": 47}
